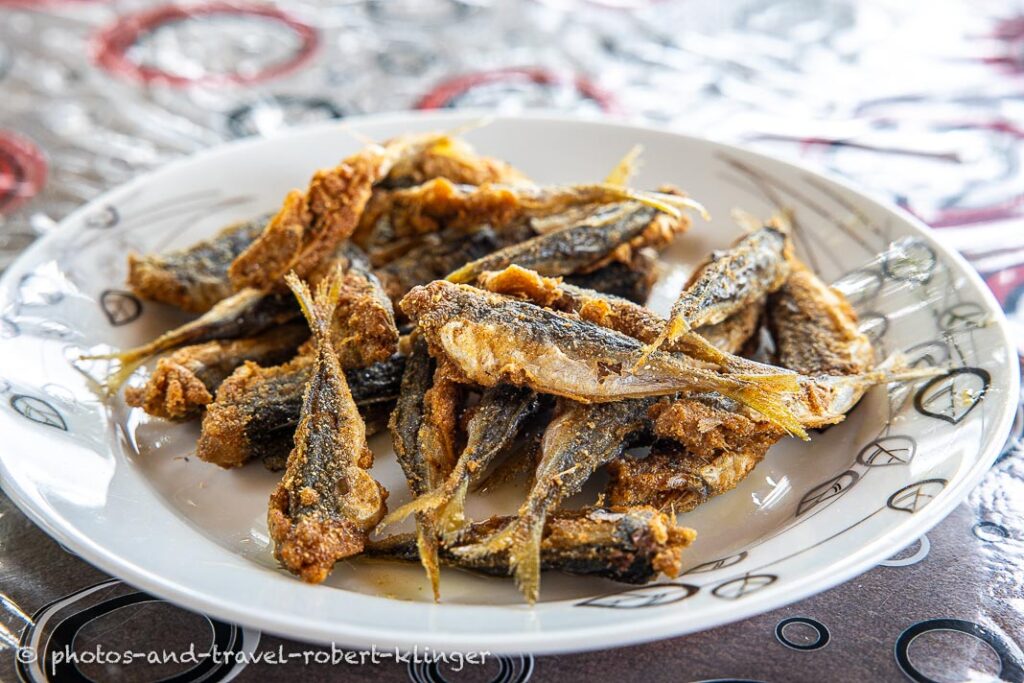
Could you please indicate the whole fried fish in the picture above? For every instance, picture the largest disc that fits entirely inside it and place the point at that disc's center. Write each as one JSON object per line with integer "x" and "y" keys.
{"x": 756, "y": 265}
{"x": 577, "y": 442}
{"x": 630, "y": 545}
{"x": 327, "y": 502}
{"x": 496, "y": 421}
{"x": 493, "y": 339}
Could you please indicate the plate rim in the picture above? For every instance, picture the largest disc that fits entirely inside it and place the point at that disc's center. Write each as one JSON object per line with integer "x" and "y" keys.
{"x": 579, "y": 639}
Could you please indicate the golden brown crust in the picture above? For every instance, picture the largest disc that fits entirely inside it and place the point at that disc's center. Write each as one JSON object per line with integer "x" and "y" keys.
{"x": 310, "y": 224}
{"x": 815, "y": 328}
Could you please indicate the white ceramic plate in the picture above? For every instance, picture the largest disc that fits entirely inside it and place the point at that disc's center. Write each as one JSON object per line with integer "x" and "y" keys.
{"x": 122, "y": 491}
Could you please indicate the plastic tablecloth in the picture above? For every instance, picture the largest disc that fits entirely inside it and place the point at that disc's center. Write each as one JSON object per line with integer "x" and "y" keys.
{"x": 920, "y": 103}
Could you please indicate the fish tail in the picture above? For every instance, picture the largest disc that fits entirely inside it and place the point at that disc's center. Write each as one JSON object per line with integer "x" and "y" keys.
{"x": 524, "y": 556}
{"x": 758, "y": 394}
{"x": 130, "y": 361}
{"x": 896, "y": 368}
{"x": 451, "y": 519}
{"x": 626, "y": 168}
{"x": 425, "y": 503}
{"x": 780, "y": 383}
{"x": 427, "y": 546}
{"x": 318, "y": 308}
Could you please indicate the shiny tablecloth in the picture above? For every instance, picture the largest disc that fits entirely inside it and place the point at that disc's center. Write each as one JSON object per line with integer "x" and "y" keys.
{"x": 919, "y": 102}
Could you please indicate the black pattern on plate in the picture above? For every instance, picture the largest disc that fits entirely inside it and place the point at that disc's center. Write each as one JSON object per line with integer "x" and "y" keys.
{"x": 951, "y": 397}
{"x": 826, "y": 491}
{"x": 720, "y": 563}
{"x": 120, "y": 307}
{"x": 652, "y": 595}
{"x": 913, "y": 497}
{"x": 887, "y": 451}
{"x": 38, "y": 410}
{"x": 734, "y": 589}
{"x": 966, "y": 315}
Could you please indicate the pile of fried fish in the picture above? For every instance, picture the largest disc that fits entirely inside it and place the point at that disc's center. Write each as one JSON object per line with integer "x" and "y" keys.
{"x": 492, "y": 325}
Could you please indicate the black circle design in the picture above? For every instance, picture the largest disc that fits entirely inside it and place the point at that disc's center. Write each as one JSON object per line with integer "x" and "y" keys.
{"x": 827, "y": 490}
{"x": 913, "y": 497}
{"x": 244, "y": 121}
{"x": 511, "y": 669}
{"x": 38, "y": 410}
{"x": 734, "y": 589}
{"x": 963, "y": 316}
{"x": 888, "y": 451}
{"x": 990, "y": 532}
{"x": 939, "y": 397}
{"x": 106, "y": 217}
{"x": 227, "y": 639}
{"x": 910, "y": 260}
{"x": 1011, "y": 667}
{"x": 720, "y": 563}
{"x": 120, "y": 307}
{"x": 651, "y": 595}
{"x": 823, "y": 635}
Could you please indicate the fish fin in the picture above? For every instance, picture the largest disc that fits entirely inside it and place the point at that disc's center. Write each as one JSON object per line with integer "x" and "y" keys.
{"x": 451, "y": 518}
{"x": 427, "y": 546}
{"x": 624, "y": 170}
{"x": 428, "y": 501}
{"x": 781, "y": 383}
{"x": 495, "y": 543}
{"x": 462, "y": 275}
{"x": 524, "y": 557}
{"x": 757, "y": 394}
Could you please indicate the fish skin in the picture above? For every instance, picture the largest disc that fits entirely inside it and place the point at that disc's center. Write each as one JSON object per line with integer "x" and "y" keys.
{"x": 256, "y": 409}
{"x": 494, "y": 339}
{"x": 327, "y": 502}
{"x": 628, "y": 545}
{"x": 195, "y": 278}
{"x": 632, "y": 281}
{"x": 578, "y": 246}
{"x": 756, "y": 265}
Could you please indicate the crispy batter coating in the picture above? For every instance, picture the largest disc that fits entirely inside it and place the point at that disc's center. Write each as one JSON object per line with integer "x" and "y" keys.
{"x": 815, "y": 328}
{"x": 196, "y": 278}
{"x": 454, "y": 159}
{"x": 184, "y": 381}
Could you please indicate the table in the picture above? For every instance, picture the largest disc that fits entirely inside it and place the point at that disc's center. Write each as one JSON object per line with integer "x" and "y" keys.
{"x": 920, "y": 103}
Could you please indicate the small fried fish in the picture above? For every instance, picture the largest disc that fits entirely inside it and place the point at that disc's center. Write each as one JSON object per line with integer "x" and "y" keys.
{"x": 580, "y": 246}
{"x": 815, "y": 328}
{"x": 756, "y": 265}
{"x": 577, "y": 442}
{"x": 185, "y": 381}
{"x": 493, "y": 339}
{"x": 327, "y": 502}
{"x": 496, "y": 421}
{"x": 629, "y": 545}
{"x": 196, "y": 278}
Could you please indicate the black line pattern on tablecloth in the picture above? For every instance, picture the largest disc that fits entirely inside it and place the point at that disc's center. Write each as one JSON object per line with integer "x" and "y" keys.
{"x": 1011, "y": 666}
{"x": 823, "y": 635}
{"x": 511, "y": 669}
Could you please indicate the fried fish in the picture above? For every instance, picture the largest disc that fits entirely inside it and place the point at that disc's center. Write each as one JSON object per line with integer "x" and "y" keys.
{"x": 196, "y": 278}
{"x": 327, "y": 502}
{"x": 629, "y": 545}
